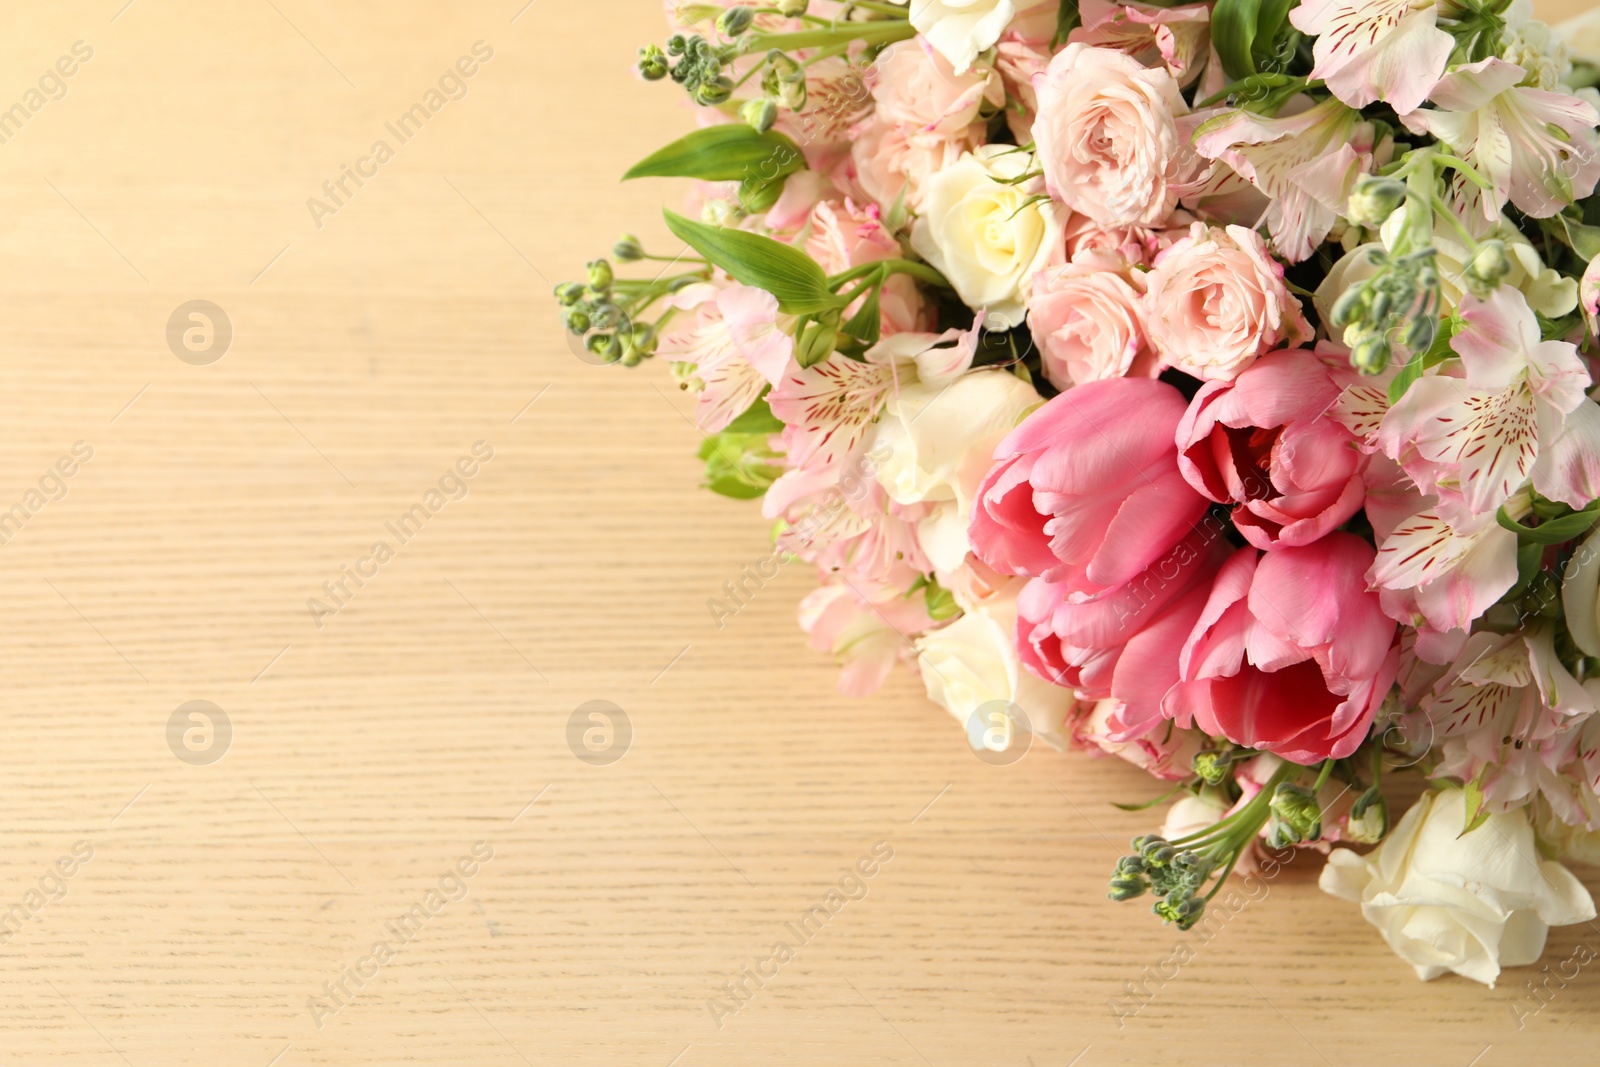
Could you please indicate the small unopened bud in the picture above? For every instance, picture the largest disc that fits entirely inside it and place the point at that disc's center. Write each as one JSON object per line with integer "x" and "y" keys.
{"x": 793, "y": 8}
{"x": 606, "y": 316}
{"x": 1212, "y": 767}
{"x": 735, "y": 20}
{"x": 816, "y": 343}
{"x": 713, "y": 92}
{"x": 1374, "y": 199}
{"x": 1369, "y": 818}
{"x": 600, "y": 276}
{"x": 1370, "y": 355}
{"x": 577, "y": 321}
{"x": 677, "y": 44}
{"x": 1488, "y": 267}
{"x": 1297, "y": 806}
{"x": 1349, "y": 307}
{"x": 628, "y": 249}
{"x": 569, "y": 293}
{"x": 653, "y": 63}
{"x": 1127, "y": 888}
{"x": 760, "y": 113}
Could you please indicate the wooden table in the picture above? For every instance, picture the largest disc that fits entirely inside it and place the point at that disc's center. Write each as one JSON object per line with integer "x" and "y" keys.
{"x": 396, "y": 766}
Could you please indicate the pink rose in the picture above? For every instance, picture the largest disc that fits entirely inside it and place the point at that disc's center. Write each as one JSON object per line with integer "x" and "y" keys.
{"x": 1292, "y": 654}
{"x": 1086, "y": 318}
{"x": 1161, "y": 752}
{"x": 1139, "y": 245}
{"x": 1087, "y": 487}
{"x": 1216, "y": 300}
{"x": 1108, "y": 138}
{"x": 1265, "y": 443}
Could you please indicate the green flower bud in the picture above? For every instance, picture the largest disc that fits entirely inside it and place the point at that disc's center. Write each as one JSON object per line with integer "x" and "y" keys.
{"x": 606, "y": 316}
{"x": 1348, "y": 308}
{"x": 677, "y": 45}
{"x": 1374, "y": 200}
{"x": 600, "y": 276}
{"x": 628, "y": 249}
{"x": 1281, "y": 835}
{"x": 735, "y": 20}
{"x": 1297, "y": 806}
{"x": 1212, "y": 767}
{"x": 760, "y": 113}
{"x": 653, "y": 63}
{"x": 793, "y": 8}
{"x": 1369, "y": 818}
{"x": 1488, "y": 267}
{"x": 816, "y": 343}
{"x": 644, "y": 339}
{"x": 1370, "y": 355}
{"x": 577, "y": 321}
{"x": 569, "y": 293}
{"x": 1127, "y": 888}
{"x": 713, "y": 92}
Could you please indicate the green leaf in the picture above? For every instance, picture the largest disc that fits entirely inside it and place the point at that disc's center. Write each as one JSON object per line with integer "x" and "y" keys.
{"x": 1180, "y": 787}
{"x": 1435, "y": 354}
{"x": 740, "y": 464}
{"x": 757, "y": 418}
{"x": 1233, "y": 32}
{"x": 866, "y": 325}
{"x": 1476, "y": 814}
{"x": 787, "y": 273}
{"x": 726, "y": 153}
{"x": 1553, "y": 531}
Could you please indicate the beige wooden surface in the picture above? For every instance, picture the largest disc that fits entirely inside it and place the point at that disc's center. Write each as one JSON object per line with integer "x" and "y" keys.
{"x": 430, "y": 713}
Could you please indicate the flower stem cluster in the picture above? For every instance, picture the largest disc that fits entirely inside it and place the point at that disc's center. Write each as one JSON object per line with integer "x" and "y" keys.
{"x": 606, "y": 310}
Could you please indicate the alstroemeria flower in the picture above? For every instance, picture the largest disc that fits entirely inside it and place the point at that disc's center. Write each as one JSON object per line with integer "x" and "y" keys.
{"x": 1474, "y": 439}
{"x": 1178, "y": 37}
{"x": 1369, "y": 50}
{"x": 737, "y": 344}
{"x": 1537, "y": 147}
{"x": 1443, "y": 575}
{"x": 1306, "y": 162}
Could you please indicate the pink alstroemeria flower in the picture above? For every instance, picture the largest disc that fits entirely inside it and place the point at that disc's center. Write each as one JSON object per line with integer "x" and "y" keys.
{"x": 1263, "y": 443}
{"x": 1537, "y": 147}
{"x": 1474, "y": 440}
{"x": 1292, "y": 654}
{"x": 1369, "y": 50}
{"x": 736, "y": 343}
{"x": 1178, "y": 37}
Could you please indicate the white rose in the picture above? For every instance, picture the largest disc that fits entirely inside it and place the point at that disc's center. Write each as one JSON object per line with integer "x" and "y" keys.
{"x": 984, "y": 235}
{"x": 973, "y": 663}
{"x": 960, "y": 29}
{"x": 937, "y": 441}
{"x": 1190, "y": 814}
{"x": 1468, "y": 904}
{"x": 1580, "y": 594}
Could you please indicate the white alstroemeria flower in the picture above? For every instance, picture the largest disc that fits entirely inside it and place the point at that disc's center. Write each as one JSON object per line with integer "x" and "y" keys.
{"x": 1471, "y": 903}
{"x": 960, "y": 29}
{"x": 1369, "y": 50}
{"x": 1538, "y": 148}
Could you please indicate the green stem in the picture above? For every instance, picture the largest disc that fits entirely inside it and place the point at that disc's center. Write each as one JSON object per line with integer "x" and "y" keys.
{"x": 920, "y": 271}
{"x": 1322, "y": 778}
{"x": 885, "y": 32}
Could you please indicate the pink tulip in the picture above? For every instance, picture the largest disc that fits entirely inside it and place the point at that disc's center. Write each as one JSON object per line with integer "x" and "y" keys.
{"x": 1087, "y": 487}
{"x": 1262, "y": 443}
{"x": 1292, "y": 654}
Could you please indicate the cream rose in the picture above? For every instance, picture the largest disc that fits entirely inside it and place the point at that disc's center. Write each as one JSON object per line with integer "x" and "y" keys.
{"x": 1469, "y": 904}
{"x": 1087, "y": 319}
{"x": 1580, "y": 595}
{"x": 1108, "y": 137}
{"x": 960, "y": 29}
{"x": 983, "y": 234}
{"x": 1216, "y": 300}
{"x": 937, "y": 442}
{"x": 971, "y": 666}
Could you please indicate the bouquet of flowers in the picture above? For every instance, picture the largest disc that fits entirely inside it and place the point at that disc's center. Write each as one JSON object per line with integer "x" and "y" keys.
{"x": 1202, "y": 385}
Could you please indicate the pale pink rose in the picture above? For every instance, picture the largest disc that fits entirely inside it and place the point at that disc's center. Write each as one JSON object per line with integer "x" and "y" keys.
{"x": 1086, "y": 318}
{"x": 916, "y": 87}
{"x": 1161, "y": 751}
{"x": 1088, "y": 485}
{"x": 1139, "y": 245}
{"x": 844, "y": 236}
{"x": 1216, "y": 300}
{"x": 1292, "y": 654}
{"x": 1263, "y": 443}
{"x": 892, "y": 161}
{"x": 1178, "y": 38}
{"x": 1108, "y": 138}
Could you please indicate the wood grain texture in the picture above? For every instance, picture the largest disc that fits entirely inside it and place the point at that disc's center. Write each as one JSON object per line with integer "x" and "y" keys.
{"x": 431, "y": 711}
